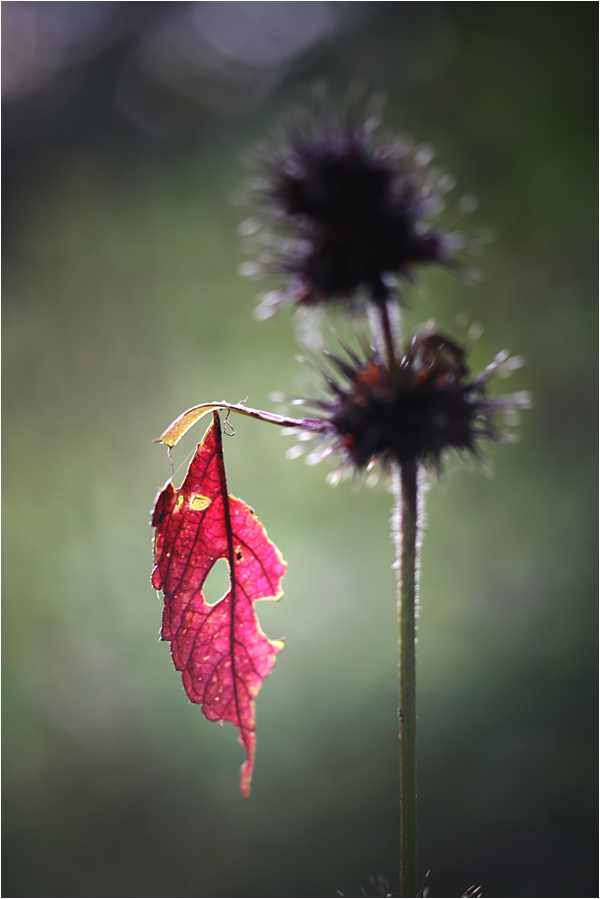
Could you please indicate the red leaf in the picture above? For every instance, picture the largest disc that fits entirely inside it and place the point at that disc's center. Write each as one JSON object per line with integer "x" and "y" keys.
{"x": 220, "y": 649}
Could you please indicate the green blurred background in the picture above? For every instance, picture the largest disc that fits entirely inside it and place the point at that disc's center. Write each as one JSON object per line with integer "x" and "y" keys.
{"x": 124, "y": 129}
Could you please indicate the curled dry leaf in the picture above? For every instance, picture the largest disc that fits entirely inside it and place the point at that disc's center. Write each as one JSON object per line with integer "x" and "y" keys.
{"x": 184, "y": 422}
{"x": 220, "y": 649}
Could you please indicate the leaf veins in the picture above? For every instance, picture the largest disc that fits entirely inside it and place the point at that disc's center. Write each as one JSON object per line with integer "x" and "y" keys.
{"x": 220, "y": 649}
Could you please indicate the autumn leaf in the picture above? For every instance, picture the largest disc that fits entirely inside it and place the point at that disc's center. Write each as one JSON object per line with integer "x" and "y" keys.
{"x": 220, "y": 649}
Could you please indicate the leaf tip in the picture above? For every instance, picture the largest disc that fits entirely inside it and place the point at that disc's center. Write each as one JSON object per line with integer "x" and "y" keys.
{"x": 246, "y": 777}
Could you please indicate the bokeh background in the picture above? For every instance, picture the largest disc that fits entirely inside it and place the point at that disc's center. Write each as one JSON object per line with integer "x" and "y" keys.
{"x": 124, "y": 129}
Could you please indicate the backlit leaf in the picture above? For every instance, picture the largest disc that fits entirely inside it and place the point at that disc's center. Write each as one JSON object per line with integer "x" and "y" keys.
{"x": 220, "y": 649}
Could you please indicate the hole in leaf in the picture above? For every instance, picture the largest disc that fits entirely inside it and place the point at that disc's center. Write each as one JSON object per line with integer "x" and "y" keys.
{"x": 217, "y": 583}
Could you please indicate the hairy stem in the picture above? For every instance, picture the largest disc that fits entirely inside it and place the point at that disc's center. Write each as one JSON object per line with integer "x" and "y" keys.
{"x": 405, "y": 526}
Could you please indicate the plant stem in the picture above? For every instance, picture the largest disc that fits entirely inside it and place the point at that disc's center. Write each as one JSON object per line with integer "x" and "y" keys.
{"x": 405, "y": 522}
{"x": 388, "y": 338}
{"x": 385, "y": 336}
{"x": 388, "y": 342}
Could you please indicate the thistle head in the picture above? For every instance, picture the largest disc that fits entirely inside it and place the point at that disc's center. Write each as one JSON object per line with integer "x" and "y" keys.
{"x": 428, "y": 405}
{"x": 344, "y": 215}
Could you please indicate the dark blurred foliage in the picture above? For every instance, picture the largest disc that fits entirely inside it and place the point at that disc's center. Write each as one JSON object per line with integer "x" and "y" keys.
{"x": 124, "y": 124}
